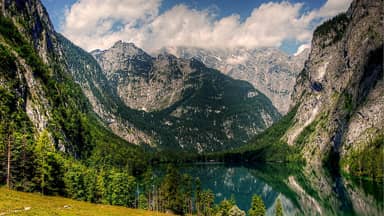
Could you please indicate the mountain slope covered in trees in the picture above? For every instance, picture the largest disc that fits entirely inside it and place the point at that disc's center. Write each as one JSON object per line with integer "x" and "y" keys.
{"x": 48, "y": 127}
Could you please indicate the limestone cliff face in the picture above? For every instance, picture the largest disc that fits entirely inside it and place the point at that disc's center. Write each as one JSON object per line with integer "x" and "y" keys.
{"x": 34, "y": 19}
{"x": 340, "y": 91}
{"x": 269, "y": 70}
{"x": 182, "y": 103}
{"x": 38, "y": 91}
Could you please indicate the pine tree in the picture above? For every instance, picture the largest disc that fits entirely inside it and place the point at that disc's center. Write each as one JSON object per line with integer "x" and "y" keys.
{"x": 122, "y": 189}
{"x": 43, "y": 146}
{"x": 9, "y": 153}
{"x": 279, "y": 208}
{"x": 257, "y": 207}
{"x": 170, "y": 190}
{"x": 143, "y": 202}
{"x": 197, "y": 195}
{"x": 224, "y": 207}
{"x": 207, "y": 199}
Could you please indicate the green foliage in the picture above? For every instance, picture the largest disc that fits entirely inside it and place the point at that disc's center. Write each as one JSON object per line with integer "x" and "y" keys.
{"x": 348, "y": 102}
{"x": 171, "y": 190}
{"x": 367, "y": 161}
{"x": 7, "y": 61}
{"x": 143, "y": 202}
{"x": 206, "y": 201}
{"x": 267, "y": 146}
{"x": 121, "y": 189}
{"x": 87, "y": 147}
{"x": 224, "y": 206}
{"x": 109, "y": 187}
{"x": 235, "y": 211}
{"x": 306, "y": 133}
{"x": 49, "y": 166}
{"x": 257, "y": 207}
{"x": 15, "y": 127}
{"x": 279, "y": 208}
{"x": 333, "y": 28}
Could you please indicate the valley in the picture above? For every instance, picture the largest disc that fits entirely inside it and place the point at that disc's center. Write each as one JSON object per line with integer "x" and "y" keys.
{"x": 203, "y": 129}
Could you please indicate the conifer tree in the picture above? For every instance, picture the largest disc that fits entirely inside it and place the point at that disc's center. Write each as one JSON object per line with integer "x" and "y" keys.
{"x": 257, "y": 207}
{"x": 43, "y": 146}
{"x": 279, "y": 208}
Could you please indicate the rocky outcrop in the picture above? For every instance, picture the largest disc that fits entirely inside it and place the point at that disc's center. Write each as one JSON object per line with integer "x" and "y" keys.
{"x": 340, "y": 91}
{"x": 144, "y": 83}
{"x": 269, "y": 70}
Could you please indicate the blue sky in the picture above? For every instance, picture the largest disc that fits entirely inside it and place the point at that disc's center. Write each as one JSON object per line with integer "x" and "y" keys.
{"x": 152, "y": 24}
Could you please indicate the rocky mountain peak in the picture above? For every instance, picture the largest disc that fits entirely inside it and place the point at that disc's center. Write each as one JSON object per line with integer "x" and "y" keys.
{"x": 164, "y": 56}
{"x": 128, "y": 49}
{"x": 123, "y": 59}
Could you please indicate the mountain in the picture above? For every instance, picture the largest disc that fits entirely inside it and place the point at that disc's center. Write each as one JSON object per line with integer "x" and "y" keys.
{"x": 270, "y": 70}
{"x": 341, "y": 93}
{"x": 40, "y": 101}
{"x": 183, "y": 104}
{"x": 338, "y": 119}
{"x": 102, "y": 95}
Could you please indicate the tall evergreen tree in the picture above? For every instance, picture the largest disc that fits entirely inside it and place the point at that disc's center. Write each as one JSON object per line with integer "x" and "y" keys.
{"x": 43, "y": 146}
{"x": 224, "y": 206}
{"x": 279, "y": 208}
{"x": 257, "y": 207}
{"x": 170, "y": 190}
{"x": 207, "y": 198}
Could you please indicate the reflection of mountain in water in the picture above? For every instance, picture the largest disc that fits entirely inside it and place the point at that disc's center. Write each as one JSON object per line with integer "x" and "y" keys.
{"x": 301, "y": 191}
{"x": 240, "y": 183}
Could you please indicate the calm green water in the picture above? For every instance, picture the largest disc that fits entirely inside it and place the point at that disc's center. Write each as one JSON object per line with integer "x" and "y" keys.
{"x": 301, "y": 192}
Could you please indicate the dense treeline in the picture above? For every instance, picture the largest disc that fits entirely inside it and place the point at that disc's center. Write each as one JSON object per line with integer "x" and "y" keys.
{"x": 369, "y": 161}
{"x": 267, "y": 146}
{"x": 37, "y": 166}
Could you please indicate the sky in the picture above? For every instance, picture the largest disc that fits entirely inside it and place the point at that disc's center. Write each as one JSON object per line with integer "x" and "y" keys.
{"x": 224, "y": 24}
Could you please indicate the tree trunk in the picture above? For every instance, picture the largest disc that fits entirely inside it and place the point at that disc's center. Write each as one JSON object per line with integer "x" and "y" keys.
{"x": 2, "y": 7}
{"x": 23, "y": 164}
{"x": 9, "y": 163}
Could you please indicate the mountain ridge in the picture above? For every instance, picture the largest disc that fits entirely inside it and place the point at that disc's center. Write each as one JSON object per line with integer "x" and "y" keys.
{"x": 269, "y": 70}
{"x": 168, "y": 88}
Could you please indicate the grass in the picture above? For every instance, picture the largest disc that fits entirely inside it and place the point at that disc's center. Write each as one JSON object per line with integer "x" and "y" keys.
{"x": 21, "y": 203}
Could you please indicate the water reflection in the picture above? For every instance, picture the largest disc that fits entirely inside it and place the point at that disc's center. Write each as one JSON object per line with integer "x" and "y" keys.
{"x": 302, "y": 191}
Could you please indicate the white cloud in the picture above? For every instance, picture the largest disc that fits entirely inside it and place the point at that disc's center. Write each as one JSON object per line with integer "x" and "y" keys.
{"x": 94, "y": 23}
{"x": 333, "y": 7}
{"x": 99, "y": 23}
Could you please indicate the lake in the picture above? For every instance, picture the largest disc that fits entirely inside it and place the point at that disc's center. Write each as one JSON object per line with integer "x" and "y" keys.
{"x": 302, "y": 191}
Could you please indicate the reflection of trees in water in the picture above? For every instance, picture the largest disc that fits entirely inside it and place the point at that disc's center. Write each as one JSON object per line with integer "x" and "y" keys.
{"x": 233, "y": 181}
{"x": 315, "y": 191}
{"x": 308, "y": 190}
